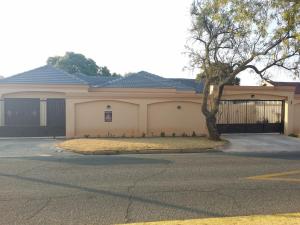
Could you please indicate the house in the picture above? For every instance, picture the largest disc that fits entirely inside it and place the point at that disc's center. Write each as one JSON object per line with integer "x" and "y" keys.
{"x": 47, "y": 101}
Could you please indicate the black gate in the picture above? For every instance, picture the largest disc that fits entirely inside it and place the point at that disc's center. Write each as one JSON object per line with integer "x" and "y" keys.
{"x": 22, "y": 118}
{"x": 56, "y": 117}
{"x": 251, "y": 116}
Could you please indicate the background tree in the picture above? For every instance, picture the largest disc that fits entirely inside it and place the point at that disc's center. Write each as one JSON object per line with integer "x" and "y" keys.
{"x": 231, "y": 36}
{"x": 74, "y": 63}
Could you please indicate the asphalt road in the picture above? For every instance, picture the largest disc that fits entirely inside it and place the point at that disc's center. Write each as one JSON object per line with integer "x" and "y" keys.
{"x": 62, "y": 188}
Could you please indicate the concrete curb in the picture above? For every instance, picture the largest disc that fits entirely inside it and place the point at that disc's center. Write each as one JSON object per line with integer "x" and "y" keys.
{"x": 150, "y": 151}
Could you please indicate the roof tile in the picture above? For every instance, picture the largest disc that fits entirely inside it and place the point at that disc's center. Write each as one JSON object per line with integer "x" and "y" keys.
{"x": 44, "y": 75}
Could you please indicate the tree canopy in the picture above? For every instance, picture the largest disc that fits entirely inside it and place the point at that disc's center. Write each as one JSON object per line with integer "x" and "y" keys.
{"x": 77, "y": 63}
{"x": 231, "y": 36}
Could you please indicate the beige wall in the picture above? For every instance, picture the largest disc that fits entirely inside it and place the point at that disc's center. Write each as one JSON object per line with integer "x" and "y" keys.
{"x": 297, "y": 118}
{"x": 40, "y": 95}
{"x": 149, "y": 111}
{"x": 175, "y": 117}
{"x": 89, "y": 119}
{"x": 134, "y": 116}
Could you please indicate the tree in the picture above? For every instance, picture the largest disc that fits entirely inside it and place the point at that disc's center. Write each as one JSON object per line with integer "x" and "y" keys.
{"x": 232, "y": 36}
{"x": 77, "y": 63}
{"x": 104, "y": 71}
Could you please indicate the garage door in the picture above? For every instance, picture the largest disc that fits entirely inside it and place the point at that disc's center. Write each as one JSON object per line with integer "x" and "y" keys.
{"x": 251, "y": 116}
{"x": 22, "y": 118}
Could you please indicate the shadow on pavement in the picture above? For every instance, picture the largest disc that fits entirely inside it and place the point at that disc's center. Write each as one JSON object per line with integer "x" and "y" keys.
{"x": 113, "y": 194}
{"x": 98, "y": 160}
{"x": 277, "y": 155}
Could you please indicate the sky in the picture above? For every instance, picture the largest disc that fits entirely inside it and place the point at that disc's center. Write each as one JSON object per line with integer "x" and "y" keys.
{"x": 126, "y": 36}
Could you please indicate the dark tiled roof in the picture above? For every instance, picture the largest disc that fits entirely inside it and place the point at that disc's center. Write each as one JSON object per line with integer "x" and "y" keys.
{"x": 147, "y": 80}
{"x": 196, "y": 84}
{"x": 95, "y": 80}
{"x": 50, "y": 75}
{"x": 294, "y": 84}
{"x": 44, "y": 75}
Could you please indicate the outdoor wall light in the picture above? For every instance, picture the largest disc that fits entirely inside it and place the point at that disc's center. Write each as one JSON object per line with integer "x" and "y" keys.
{"x": 179, "y": 107}
{"x": 108, "y": 106}
{"x": 252, "y": 96}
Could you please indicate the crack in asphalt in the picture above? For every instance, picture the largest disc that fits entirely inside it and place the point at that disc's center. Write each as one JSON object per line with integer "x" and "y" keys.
{"x": 131, "y": 188}
{"x": 38, "y": 211}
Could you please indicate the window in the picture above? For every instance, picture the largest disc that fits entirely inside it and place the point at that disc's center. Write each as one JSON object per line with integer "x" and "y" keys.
{"x": 108, "y": 116}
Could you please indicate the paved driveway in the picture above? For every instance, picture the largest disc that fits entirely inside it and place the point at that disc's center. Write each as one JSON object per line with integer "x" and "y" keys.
{"x": 27, "y": 147}
{"x": 262, "y": 143}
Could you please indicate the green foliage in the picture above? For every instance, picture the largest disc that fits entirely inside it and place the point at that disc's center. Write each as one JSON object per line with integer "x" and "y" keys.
{"x": 162, "y": 134}
{"x": 229, "y": 37}
{"x": 77, "y": 63}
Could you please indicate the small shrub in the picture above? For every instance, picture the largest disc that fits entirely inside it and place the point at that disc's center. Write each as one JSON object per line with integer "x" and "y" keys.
{"x": 184, "y": 134}
{"x": 123, "y": 135}
{"x": 194, "y": 134}
{"x": 98, "y": 136}
{"x": 162, "y": 134}
{"x": 143, "y": 135}
{"x": 86, "y": 136}
{"x": 293, "y": 135}
{"x": 173, "y": 134}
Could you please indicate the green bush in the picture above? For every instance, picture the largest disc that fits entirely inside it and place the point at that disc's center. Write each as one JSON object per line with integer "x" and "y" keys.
{"x": 162, "y": 134}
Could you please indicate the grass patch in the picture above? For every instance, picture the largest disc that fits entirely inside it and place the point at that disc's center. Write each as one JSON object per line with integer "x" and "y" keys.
{"x": 279, "y": 219}
{"x": 127, "y": 145}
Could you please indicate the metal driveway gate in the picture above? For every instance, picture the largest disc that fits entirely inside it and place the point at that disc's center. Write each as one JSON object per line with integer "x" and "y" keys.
{"x": 22, "y": 117}
{"x": 251, "y": 116}
{"x": 56, "y": 117}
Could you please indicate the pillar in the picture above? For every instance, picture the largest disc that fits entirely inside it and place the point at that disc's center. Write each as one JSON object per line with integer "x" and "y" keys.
{"x": 70, "y": 119}
{"x": 2, "y": 113}
{"x": 43, "y": 112}
{"x": 289, "y": 116}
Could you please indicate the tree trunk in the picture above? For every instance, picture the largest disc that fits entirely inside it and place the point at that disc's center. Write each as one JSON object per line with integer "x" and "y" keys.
{"x": 210, "y": 111}
{"x": 212, "y": 128}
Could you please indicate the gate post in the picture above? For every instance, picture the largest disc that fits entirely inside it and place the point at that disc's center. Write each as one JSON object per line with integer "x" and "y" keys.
{"x": 2, "y": 113}
{"x": 70, "y": 118}
{"x": 43, "y": 112}
{"x": 288, "y": 116}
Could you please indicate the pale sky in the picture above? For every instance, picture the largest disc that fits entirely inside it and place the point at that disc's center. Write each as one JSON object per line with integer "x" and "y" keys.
{"x": 124, "y": 35}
